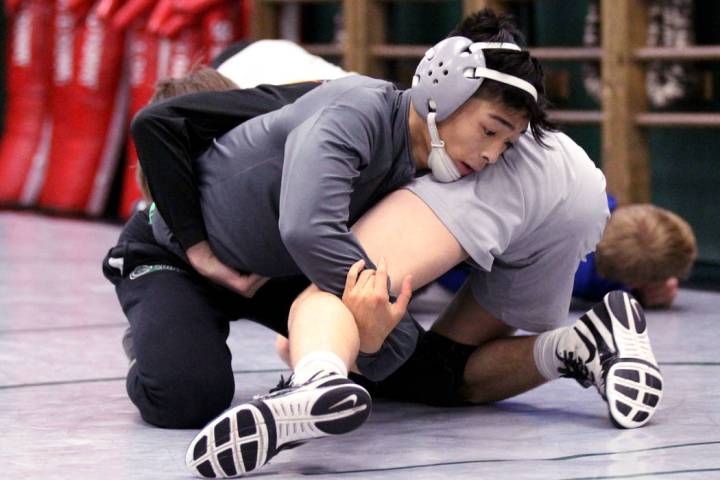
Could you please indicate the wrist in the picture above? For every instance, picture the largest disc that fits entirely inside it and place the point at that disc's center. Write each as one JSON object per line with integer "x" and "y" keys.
{"x": 370, "y": 346}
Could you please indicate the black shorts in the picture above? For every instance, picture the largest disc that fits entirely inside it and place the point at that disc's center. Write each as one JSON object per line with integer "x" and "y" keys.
{"x": 432, "y": 375}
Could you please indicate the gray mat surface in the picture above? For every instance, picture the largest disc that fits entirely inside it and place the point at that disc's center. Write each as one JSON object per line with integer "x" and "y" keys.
{"x": 64, "y": 412}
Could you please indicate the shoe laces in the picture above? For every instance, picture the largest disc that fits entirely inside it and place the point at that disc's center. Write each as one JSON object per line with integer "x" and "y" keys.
{"x": 282, "y": 384}
{"x": 575, "y": 367}
{"x": 285, "y": 386}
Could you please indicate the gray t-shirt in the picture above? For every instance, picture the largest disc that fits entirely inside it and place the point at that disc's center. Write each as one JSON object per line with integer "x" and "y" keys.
{"x": 279, "y": 192}
{"x": 525, "y": 222}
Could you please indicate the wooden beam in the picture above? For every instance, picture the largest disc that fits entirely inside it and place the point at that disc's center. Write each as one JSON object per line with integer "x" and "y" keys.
{"x": 542, "y": 53}
{"x": 625, "y": 152}
{"x": 576, "y": 117}
{"x": 566, "y": 53}
{"x": 414, "y": 52}
{"x": 264, "y": 19}
{"x": 689, "y": 53}
{"x": 324, "y": 49}
{"x": 364, "y": 27}
{"x": 678, "y": 120}
{"x": 472, "y": 6}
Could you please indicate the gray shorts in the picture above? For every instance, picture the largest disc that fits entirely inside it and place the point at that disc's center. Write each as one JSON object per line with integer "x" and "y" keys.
{"x": 525, "y": 222}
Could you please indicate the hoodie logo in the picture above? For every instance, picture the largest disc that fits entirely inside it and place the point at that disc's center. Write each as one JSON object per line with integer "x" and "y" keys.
{"x": 141, "y": 270}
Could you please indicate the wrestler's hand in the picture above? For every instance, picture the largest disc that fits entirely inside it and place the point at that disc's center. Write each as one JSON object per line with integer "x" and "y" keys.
{"x": 208, "y": 265}
{"x": 366, "y": 296}
{"x": 658, "y": 294}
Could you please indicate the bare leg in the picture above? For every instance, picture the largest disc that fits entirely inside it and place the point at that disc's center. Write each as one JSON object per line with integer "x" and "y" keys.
{"x": 489, "y": 379}
{"x": 320, "y": 322}
{"x": 502, "y": 366}
{"x": 282, "y": 348}
{"x": 318, "y": 402}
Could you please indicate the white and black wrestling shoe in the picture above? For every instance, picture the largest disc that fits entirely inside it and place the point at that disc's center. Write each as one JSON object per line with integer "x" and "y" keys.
{"x": 617, "y": 358}
{"x": 246, "y": 437}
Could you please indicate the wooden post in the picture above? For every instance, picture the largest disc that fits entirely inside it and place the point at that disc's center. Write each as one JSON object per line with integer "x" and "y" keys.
{"x": 264, "y": 20}
{"x": 472, "y": 6}
{"x": 364, "y": 26}
{"x": 625, "y": 152}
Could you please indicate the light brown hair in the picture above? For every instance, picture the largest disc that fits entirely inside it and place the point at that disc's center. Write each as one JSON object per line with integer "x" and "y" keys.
{"x": 644, "y": 244}
{"x": 201, "y": 79}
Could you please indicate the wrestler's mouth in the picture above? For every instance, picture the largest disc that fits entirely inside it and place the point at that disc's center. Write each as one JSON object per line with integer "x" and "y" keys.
{"x": 464, "y": 169}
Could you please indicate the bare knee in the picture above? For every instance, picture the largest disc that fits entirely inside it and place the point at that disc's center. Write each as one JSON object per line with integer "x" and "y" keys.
{"x": 314, "y": 303}
{"x": 475, "y": 394}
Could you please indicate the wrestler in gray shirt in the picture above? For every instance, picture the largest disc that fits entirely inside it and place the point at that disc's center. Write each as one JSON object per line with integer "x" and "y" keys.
{"x": 279, "y": 192}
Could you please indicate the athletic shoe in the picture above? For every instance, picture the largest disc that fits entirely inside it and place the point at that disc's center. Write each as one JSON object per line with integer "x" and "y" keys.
{"x": 613, "y": 352}
{"x": 246, "y": 437}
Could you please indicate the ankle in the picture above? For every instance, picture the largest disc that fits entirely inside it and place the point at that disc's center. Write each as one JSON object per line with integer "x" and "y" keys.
{"x": 545, "y": 352}
{"x": 316, "y": 362}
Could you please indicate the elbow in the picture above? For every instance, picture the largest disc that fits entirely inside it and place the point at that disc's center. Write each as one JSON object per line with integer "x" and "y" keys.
{"x": 143, "y": 121}
{"x": 140, "y": 125}
{"x": 296, "y": 235}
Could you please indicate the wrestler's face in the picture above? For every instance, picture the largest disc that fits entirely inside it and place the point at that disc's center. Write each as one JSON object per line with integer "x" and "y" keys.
{"x": 479, "y": 132}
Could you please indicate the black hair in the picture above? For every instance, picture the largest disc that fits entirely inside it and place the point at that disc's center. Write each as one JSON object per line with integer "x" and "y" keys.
{"x": 487, "y": 26}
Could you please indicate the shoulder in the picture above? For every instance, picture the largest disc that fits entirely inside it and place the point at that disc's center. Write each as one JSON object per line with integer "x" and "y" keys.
{"x": 355, "y": 100}
{"x": 361, "y": 92}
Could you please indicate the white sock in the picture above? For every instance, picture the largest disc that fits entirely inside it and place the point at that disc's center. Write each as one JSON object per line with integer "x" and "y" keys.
{"x": 315, "y": 362}
{"x": 545, "y": 348}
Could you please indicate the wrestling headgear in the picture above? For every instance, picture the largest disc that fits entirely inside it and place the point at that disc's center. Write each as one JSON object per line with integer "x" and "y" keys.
{"x": 447, "y": 76}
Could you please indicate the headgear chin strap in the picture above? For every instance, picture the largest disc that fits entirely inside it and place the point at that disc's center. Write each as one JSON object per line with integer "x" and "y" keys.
{"x": 441, "y": 165}
{"x": 447, "y": 76}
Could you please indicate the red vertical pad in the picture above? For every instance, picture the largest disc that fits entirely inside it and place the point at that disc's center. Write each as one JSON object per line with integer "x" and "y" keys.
{"x": 178, "y": 55}
{"x": 142, "y": 55}
{"x": 89, "y": 120}
{"x": 152, "y": 59}
{"x": 243, "y": 24}
{"x": 220, "y": 28}
{"x": 26, "y": 134}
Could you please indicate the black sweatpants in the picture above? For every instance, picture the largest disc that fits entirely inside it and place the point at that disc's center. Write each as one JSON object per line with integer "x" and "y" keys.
{"x": 182, "y": 376}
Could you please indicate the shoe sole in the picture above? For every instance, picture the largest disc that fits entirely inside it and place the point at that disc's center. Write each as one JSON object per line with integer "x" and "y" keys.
{"x": 634, "y": 384}
{"x": 246, "y": 437}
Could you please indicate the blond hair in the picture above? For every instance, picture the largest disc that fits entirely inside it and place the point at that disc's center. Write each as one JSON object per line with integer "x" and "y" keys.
{"x": 201, "y": 79}
{"x": 644, "y": 244}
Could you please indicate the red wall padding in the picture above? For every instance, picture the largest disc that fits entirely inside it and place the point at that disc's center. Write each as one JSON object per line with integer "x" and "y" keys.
{"x": 26, "y": 136}
{"x": 75, "y": 82}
